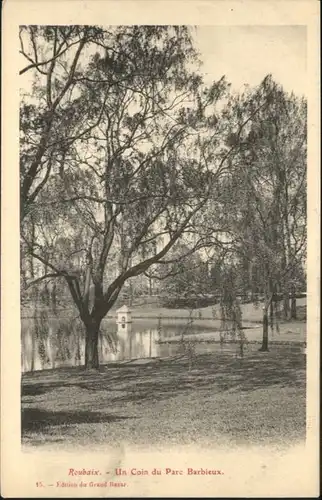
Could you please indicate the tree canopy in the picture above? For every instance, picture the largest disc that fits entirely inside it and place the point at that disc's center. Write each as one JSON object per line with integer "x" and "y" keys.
{"x": 129, "y": 163}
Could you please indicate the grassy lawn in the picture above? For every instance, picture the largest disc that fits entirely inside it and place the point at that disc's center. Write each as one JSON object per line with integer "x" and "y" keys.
{"x": 250, "y": 312}
{"x": 221, "y": 401}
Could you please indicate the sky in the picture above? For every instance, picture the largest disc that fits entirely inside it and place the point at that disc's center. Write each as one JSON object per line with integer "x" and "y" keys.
{"x": 246, "y": 54}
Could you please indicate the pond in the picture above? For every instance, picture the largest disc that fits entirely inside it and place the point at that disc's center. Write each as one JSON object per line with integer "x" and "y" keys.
{"x": 52, "y": 342}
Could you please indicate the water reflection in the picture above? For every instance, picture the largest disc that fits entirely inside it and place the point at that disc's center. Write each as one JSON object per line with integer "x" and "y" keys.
{"x": 125, "y": 343}
{"x": 60, "y": 342}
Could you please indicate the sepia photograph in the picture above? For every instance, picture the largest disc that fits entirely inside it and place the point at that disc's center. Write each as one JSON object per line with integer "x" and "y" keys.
{"x": 163, "y": 235}
{"x": 164, "y": 256}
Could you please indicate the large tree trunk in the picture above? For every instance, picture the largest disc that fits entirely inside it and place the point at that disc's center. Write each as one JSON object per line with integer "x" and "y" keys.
{"x": 91, "y": 345}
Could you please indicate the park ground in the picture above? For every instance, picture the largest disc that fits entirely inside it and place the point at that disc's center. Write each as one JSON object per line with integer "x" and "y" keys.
{"x": 221, "y": 401}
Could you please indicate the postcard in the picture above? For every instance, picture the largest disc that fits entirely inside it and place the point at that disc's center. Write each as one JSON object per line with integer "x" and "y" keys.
{"x": 160, "y": 249}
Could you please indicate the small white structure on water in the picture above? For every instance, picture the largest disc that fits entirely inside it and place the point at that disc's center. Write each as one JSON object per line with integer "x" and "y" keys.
{"x": 124, "y": 328}
{"x": 123, "y": 316}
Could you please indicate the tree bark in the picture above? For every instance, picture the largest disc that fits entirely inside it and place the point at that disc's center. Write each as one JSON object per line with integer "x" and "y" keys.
{"x": 264, "y": 347}
{"x": 33, "y": 352}
{"x": 293, "y": 305}
{"x": 54, "y": 298}
{"x": 271, "y": 315}
{"x": 91, "y": 345}
{"x": 286, "y": 305}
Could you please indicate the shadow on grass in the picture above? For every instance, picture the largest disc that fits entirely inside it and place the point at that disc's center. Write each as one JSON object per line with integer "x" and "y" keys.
{"x": 34, "y": 390}
{"x": 32, "y": 440}
{"x": 212, "y": 373}
{"x": 34, "y": 419}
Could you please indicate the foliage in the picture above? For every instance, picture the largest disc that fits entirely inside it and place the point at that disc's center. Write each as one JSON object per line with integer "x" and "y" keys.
{"x": 130, "y": 166}
{"x": 264, "y": 196}
{"x": 124, "y": 191}
{"x": 183, "y": 277}
{"x": 70, "y": 67}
